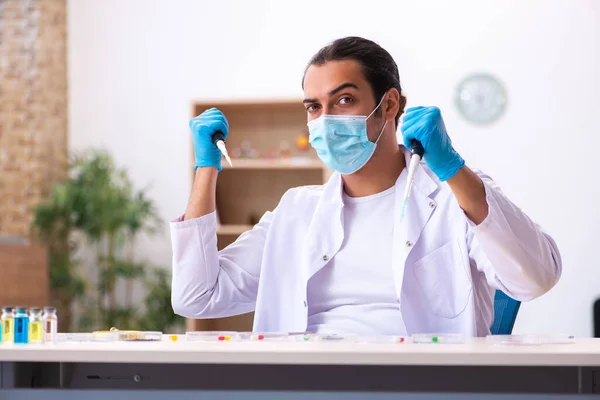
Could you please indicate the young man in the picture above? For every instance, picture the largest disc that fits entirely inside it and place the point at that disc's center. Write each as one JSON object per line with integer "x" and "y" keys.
{"x": 339, "y": 258}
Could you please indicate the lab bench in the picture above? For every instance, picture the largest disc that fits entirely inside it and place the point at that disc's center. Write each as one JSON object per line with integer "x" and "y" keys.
{"x": 263, "y": 369}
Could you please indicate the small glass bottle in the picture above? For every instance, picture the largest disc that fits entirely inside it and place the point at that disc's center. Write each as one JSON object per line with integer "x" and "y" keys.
{"x": 8, "y": 324}
{"x": 36, "y": 332}
{"x": 21, "y": 325}
{"x": 50, "y": 322}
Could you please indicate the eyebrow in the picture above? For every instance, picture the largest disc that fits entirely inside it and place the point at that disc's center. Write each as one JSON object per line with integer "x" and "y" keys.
{"x": 334, "y": 91}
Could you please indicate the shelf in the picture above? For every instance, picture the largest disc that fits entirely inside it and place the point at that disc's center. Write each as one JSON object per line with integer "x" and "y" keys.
{"x": 291, "y": 163}
{"x": 232, "y": 229}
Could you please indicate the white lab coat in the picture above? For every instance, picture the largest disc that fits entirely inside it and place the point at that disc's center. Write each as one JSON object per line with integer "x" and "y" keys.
{"x": 446, "y": 269}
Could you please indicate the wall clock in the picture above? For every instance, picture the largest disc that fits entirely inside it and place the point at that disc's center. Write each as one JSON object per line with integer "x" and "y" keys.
{"x": 480, "y": 98}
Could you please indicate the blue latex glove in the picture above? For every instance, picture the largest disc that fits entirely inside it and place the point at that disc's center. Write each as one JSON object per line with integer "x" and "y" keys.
{"x": 426, "y": 125}
{"x": 206, "y": 154}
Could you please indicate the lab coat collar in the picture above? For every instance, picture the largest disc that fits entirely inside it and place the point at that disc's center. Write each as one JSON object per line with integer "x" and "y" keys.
{"x": 326, "y": 233}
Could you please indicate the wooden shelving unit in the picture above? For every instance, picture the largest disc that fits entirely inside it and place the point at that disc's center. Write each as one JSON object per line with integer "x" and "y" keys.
{"x": 255, "y": 185}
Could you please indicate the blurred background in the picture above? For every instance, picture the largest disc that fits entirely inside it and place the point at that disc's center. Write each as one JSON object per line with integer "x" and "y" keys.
{"x": 95, "y": 151}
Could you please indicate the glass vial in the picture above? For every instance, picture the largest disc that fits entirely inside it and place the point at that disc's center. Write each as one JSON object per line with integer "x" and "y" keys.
{"x": 50, "y": 322}
{"x": 21, "y": 325}
{"x": 36, "y": 331}
{"x": 8, "y": 324}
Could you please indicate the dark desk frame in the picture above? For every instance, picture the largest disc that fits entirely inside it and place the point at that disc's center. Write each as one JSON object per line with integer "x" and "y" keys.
{"x": 327, "y": 378}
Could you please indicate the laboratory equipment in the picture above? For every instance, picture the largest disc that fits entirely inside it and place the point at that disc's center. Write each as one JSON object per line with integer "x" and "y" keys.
{"x": 74, "y": 337}
{"x": 307, "y": 337}
{"x": 335, "y": 337}
{"x": 285, "y": 150}
{"x": 382, "y": 339}
{"x": 21, "y": 325}
{"x": 513, "y": 340}
{"x": 441, "y": 338}
{"x": 212, "y": 336}
{"x": 426, "y": 125}
{"x": 36, "y": 330}
{"x": 301, "y": 142}
{"x": 219, "y": 140}
{"x": 8, "y": 324}
{"x": 264, "y": 336}
{"x": 115, "y": 334}
{"x": 529, "y": 340}
{"x": 415, "y": 159}
{"x": 557, "y": 339}
{"x": 50, "y": 324}
{"x": 203, "y": 127}
{"x": 329, "y": 337}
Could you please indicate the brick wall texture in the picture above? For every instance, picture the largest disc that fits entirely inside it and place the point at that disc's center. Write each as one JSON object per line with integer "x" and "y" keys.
{"x": 33, "y": 107}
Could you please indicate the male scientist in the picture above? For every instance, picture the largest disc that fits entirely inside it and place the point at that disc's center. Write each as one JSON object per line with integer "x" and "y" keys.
{"x": 338, "y": 258}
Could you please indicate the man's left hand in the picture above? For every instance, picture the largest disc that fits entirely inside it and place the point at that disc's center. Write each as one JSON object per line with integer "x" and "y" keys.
{"x": 426, "y": 125}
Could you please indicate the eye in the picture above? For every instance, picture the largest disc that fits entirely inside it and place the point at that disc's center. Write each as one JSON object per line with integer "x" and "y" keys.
{"x": 345, "y": 100}
{"x": 312, "y": 107}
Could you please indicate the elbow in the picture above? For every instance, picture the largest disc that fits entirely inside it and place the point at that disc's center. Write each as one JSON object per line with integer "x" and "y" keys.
{"x": 187, "y": 308}
{"x": 179, "y": 307}
{"x": 535, "y": 285}
{"x": 539, "y": 275}
{"x": 190, "y": 302}
{"x": 549, "y": 274}
{"x": 540, "y": 288}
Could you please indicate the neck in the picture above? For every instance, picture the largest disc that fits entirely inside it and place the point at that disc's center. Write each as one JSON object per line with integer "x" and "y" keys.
{"x": 381, "y": 172}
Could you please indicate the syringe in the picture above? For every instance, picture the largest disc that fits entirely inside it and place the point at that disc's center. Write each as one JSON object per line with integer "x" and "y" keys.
{"x": 415, "y": 159}
{"x": 219, "y": 140}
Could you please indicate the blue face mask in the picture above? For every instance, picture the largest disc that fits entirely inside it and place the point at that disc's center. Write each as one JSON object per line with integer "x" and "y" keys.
{"x": 341, "y": 141}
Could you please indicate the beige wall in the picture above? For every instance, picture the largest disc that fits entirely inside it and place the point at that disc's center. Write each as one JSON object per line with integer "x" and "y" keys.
{"x": 33, "y": 107}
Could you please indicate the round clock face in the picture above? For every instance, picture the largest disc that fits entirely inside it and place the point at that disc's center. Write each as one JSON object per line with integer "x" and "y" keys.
{"x": 480, "y": 98}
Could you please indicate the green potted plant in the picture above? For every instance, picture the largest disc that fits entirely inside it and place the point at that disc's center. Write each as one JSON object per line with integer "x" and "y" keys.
{"x": 98, "y": 209}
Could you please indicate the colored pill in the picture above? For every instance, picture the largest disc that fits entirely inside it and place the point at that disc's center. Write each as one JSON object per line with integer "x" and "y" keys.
{"x": 174, "y": 338}
{"x": 434, "y": 339}
{"x": 261, "y": 337}
{"x": 224, "y": 338}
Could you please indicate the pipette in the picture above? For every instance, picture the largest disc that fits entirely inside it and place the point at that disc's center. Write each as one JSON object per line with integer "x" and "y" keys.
{"x": 219, "y": 140}
{"x": 415, "y": 159}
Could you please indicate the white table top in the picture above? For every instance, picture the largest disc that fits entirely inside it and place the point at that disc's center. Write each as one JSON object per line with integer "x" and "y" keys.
{"x": 475, "y": 352}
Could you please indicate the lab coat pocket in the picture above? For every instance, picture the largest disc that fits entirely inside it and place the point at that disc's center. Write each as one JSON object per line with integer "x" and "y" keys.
{"x": 444, "y": 280}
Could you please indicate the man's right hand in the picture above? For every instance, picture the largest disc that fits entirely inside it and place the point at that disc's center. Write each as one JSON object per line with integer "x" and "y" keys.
{"x": 206, "y": 154}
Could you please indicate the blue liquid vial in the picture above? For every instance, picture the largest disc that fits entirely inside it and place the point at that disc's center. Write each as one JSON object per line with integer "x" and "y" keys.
{"x": 21, "y": 325}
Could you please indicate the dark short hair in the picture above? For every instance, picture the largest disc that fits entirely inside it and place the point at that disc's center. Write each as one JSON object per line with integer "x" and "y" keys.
{"x": 378, "y": 66}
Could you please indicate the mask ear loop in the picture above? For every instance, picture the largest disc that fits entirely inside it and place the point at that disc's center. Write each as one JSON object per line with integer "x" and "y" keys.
{"x": 381, "y": 132}
{"x": 375, "y": 109}
{"x": 384, "y": 124}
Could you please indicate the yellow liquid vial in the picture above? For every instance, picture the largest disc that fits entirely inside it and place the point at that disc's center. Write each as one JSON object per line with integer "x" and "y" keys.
{"x": 8, "y": 330}
{"x": 36, "y": 334}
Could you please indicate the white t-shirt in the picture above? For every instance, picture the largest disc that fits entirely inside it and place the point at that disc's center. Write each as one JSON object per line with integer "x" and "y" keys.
{"x": 355, "y": 292}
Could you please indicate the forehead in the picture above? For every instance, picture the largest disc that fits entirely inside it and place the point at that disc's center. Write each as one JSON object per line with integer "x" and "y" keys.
{"x": 320, "y": 79}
